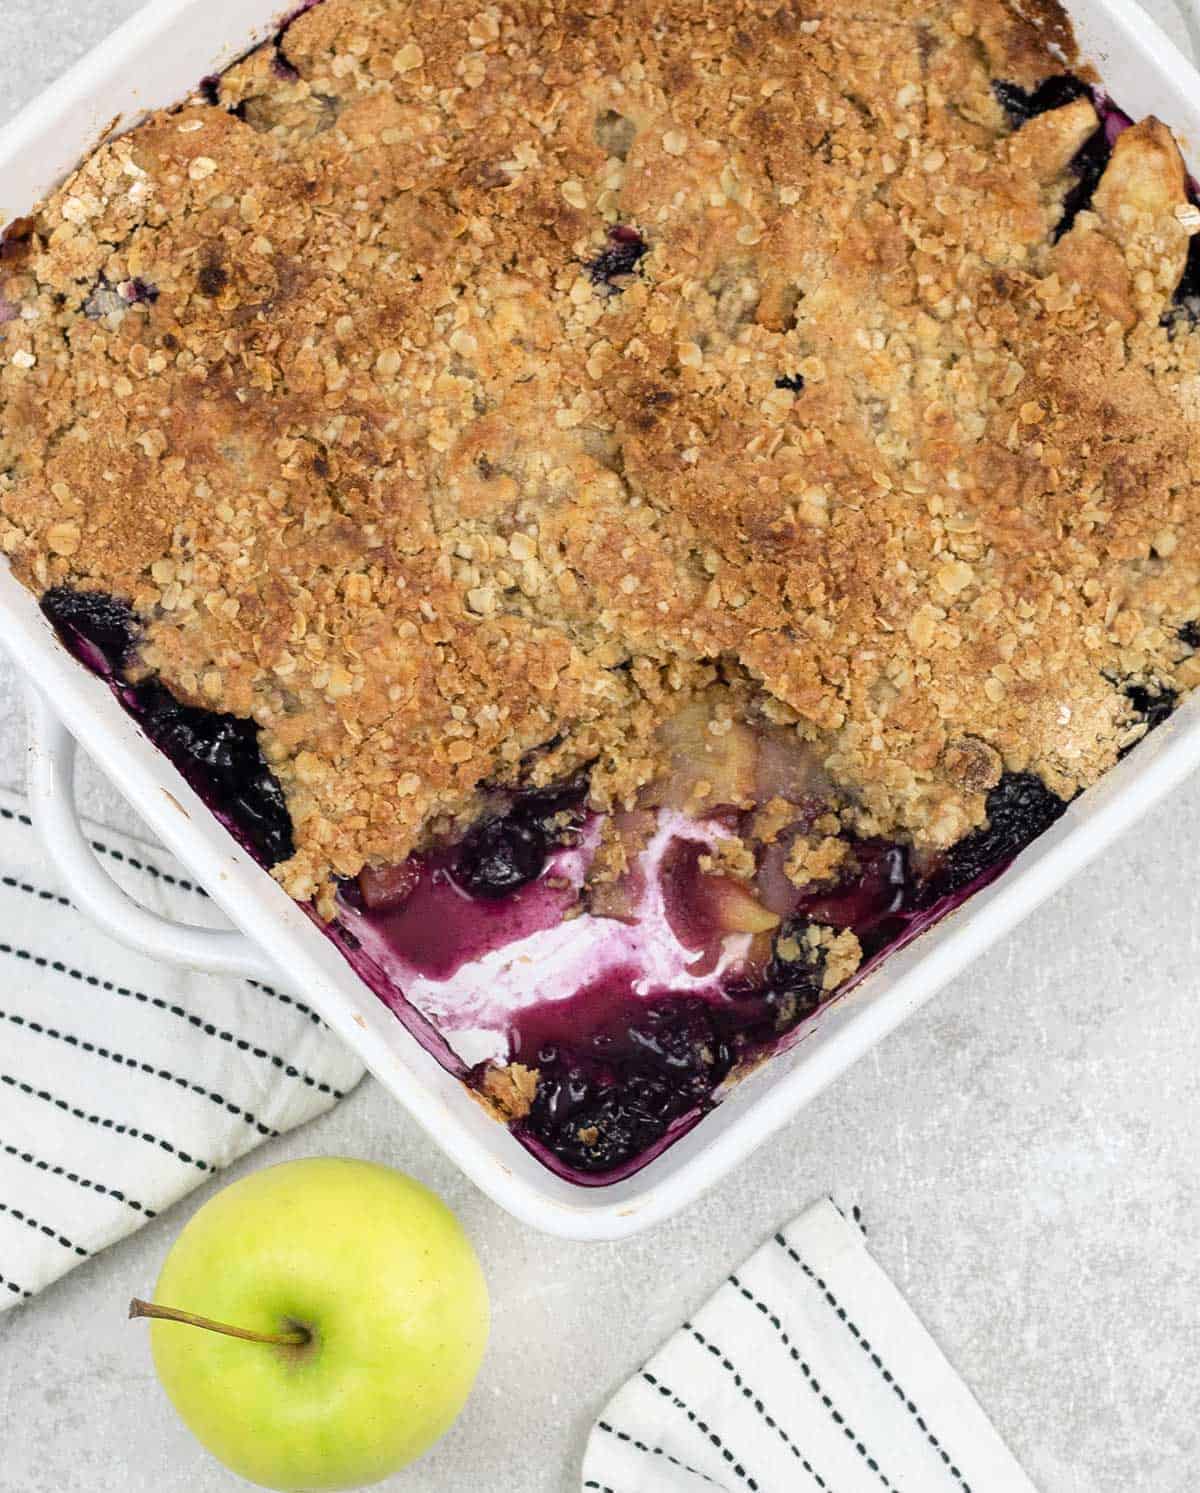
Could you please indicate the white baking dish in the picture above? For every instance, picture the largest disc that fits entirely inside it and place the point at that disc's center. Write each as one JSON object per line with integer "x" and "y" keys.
{"x": 153, "y": 60}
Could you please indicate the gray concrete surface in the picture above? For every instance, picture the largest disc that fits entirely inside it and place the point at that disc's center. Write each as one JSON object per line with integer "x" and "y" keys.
{"x": 1024, "y": 1152}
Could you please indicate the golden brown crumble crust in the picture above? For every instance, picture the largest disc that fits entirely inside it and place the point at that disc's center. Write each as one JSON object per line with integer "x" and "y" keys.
{"x": 386, "y": 469}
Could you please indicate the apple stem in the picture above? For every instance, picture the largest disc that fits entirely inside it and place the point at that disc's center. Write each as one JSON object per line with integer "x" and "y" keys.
{"x": 296, "y": 1339}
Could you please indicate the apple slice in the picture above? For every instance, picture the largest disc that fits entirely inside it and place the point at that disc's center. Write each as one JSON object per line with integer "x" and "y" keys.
{"x": 703, "y": 910}
{"x": 733, "y": 907}
{"x": 386, "y": 887}
{"x": 711, "y": 755}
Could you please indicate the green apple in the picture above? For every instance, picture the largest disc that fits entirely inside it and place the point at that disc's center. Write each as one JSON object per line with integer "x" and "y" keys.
{"x": 347, "y": 1317}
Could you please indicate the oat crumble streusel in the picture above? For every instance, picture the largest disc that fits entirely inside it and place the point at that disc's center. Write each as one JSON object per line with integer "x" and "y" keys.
{"x": 476, "y": 377}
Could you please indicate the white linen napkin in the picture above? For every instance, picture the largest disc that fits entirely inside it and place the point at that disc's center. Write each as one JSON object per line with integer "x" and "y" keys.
{"x": 125, "y": 1083}
{"x": 807, "y": 1372}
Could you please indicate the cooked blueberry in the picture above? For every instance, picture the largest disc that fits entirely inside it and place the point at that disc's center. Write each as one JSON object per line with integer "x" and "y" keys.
{"x": 792, "y": 381}
{"x": 1019, "y": 808}
{"x": 210, "y": 89}
{"x": 1088, "y": 167}
{"x": 139, "y": 292}
{"x": 1185, "y": 304}
{"x": 596, "y": 1113}
{"x": 1022, "y": 105}
{"x": 500, "y": 856}
{"x": 1053, "y": 93}
{"x": 220, "y": 756}
{"x": 618, "y": 257}
{"x": 1153, "y": 702}
{"x": 1189, "y": 634}
{"x": 95, "y": 617}
{"x": 505, "y": 853}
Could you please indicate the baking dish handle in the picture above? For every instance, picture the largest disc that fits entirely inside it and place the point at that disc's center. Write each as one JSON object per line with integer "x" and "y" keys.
{"x": 220, "y": 951}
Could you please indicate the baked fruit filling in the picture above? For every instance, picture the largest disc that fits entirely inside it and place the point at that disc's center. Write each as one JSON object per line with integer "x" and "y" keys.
{"x": 629, "y": 519}
{"x": 597, "y": 977}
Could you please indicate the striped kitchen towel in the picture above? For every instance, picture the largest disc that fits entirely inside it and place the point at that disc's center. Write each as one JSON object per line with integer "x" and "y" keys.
{"x": 124, "y": 1083}
{"x": 807, "y": 1372}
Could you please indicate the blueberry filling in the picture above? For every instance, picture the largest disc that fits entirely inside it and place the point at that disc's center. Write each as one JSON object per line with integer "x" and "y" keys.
{"x": 1185, "y": 308}
{"x": 600, "y": 1107}
{"x": 1189, "y": 634}
{"x": 792, "y": 381}
{"x": 1153, "y": 702}
{"x": 210, "y": 89}
{"x": 504, "y": 853}
{"x": 1019, "y": 808}
{"x": 220, "y": 756}
{"x": 95, "y": 617}
{"x": 1022, "y": 105}
{"x": 1088, "y": 167}
{"x": 619, "y": 257}
{"x": 607, "y": 1097}
{"x": 217, "y": 753}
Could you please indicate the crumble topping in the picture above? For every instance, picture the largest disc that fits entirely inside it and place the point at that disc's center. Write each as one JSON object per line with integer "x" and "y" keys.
{"x": 466, "y": 379}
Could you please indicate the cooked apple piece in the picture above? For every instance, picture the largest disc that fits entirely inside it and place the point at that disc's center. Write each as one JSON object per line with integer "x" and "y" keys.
{"x": 791, "y": 769}
{"x": 703, "y": 910}
{"x": 385, "y": 887}
{"x": 712, "y": 758}
{"x": 733, "y": 907}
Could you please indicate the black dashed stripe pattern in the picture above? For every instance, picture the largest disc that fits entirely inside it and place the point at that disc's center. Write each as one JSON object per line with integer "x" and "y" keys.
{"x": 703, "y": 1427}
{"x": 810, "y": 1379}
{"x": 777, "y": 1375}
{"x": 43, "y": 1228}
{"x": 207, "y": 1027}
{"x": 98, "y": 1061}
{"x": 104, "y": 1122}
{"x": 866, "y": 1347}
{"x": 137, "y": 1065}
{"x": 287, "y": 1000}
{"x": 119, "y": 855}
{"x": 651, "y": 1451}
{"x": 68, "y": 1176}
{"x": 748, "y": 1394}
